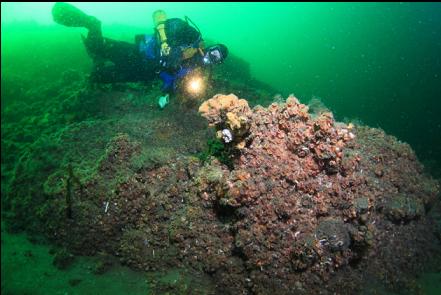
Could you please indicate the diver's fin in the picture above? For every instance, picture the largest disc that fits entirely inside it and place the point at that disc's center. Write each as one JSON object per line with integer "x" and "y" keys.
{"x": 70, "y": 16}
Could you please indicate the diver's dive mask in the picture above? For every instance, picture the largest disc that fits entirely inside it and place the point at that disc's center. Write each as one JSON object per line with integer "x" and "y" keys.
{"x": 215, "y": 54}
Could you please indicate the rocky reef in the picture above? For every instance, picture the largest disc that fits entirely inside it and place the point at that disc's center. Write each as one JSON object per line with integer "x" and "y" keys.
{"x": 308, "y": 206}
{"x": 314, "y": 199}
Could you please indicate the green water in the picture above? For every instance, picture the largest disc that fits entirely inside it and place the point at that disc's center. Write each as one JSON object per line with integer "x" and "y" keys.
{"x": 378, "y": 63}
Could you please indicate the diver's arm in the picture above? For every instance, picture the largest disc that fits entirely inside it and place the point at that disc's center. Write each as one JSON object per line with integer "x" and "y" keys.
{"x": 165, "y": 49}
{"x": 166, "y": 89}
{"x": 161, "y": 31}
{"x": 159, "y": 18}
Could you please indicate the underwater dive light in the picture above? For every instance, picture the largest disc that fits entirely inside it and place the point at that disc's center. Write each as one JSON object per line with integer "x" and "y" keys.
{"x": 195, "y": 85}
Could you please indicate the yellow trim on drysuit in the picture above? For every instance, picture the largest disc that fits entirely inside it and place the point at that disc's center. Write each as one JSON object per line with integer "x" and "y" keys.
{"x": 159, "y": 17}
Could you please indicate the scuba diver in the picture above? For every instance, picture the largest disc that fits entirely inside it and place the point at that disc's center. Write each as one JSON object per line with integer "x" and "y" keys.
{"x": 173, "y": 52}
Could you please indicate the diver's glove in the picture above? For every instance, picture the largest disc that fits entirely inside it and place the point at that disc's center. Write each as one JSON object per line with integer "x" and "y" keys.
{"x": 163, "y": 101}
{"x": 165, "y": 49}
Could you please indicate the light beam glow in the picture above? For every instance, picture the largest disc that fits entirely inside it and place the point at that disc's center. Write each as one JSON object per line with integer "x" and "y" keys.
{"x": 195, "y": 85}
